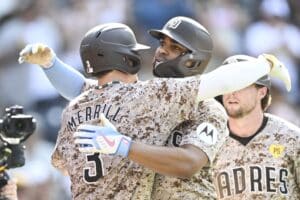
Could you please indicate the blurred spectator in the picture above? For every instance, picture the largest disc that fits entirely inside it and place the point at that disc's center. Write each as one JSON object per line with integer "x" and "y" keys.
{"x": 274, "y": 34}
{"x": 235, "y": 26}
{"x": 154, "y": 14}
{"x": 225, "y": 21}
{"x": 280, "y": 106}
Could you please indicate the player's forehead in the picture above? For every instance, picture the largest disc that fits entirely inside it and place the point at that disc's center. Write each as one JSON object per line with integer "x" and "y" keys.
{"x": 169, "y": 40}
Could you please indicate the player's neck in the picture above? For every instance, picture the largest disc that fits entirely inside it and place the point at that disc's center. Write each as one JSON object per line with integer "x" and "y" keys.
{"x": 117, "y": 76}
{"x": 247, "y": 125}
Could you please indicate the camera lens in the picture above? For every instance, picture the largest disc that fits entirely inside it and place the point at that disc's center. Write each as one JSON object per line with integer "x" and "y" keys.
{"x": 20, "y": 126}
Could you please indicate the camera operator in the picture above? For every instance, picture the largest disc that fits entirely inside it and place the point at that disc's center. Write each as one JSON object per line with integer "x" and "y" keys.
{"x": 15, "y": 128}
{"x": 9, "y": 191}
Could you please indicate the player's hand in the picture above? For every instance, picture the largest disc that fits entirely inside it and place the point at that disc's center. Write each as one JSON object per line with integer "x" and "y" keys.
{"x": 106, "y": 140}
{"x": 105, "y": 122}
{"x": 278, "y": 70}
{"x": 39, "y": 54}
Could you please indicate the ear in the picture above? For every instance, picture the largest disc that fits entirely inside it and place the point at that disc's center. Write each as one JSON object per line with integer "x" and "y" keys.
{"x": 262, "y": 92}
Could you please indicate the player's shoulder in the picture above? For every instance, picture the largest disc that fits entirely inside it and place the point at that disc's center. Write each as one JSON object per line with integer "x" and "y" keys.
{"x": 282, "y": 124}
{"x": 174, "y": 81}
{"x": 172, "y": 87}
{"x": 84, "y": 97}
{"x": 212, "y": 106}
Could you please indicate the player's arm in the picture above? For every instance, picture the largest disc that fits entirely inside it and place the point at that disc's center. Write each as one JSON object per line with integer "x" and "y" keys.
{"x": 58, "y": 162}
{"x": 201, "y": 140}
{"x": 235, "y": 76}
{"x": 57, "y": 159}
{"x": 209, "y": 131}
{"x": 173, "y": 161}
{"x": 182, "y": 161}
{"x": 67, "y": 81}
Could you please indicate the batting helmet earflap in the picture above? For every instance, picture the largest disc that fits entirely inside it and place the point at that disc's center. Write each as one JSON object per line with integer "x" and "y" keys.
{"x": 264, "y": 81}
{"x": 193, "y": 36}
{"x": 111, "y": 46}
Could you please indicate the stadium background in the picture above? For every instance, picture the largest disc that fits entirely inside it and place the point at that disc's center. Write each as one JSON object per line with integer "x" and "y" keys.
{"x": 237, "y": 27}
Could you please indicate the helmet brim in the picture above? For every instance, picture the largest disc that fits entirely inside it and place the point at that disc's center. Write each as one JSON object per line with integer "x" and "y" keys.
{"x": 158, "y": 34}
{"x": 139, "y": 46}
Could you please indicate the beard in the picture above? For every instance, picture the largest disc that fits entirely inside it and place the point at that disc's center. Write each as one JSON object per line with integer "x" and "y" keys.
{"x": 241, "y": 111}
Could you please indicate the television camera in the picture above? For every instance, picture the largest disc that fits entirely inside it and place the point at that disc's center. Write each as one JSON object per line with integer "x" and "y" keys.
{"x": 15, "y": 128}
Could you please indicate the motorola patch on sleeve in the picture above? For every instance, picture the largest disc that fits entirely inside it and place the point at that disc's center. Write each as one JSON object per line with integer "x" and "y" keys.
{"x": 207, "y": 133}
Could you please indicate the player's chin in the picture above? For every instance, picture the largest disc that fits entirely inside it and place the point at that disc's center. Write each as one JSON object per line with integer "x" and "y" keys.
{"x": 231, "y": 108}
{"x": 234, "y": 112}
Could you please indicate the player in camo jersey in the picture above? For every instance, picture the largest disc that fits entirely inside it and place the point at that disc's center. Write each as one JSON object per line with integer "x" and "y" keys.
{"x": 132, "y": 108}
{"x": 208, "y": 152}
{"x": 204, "y": 133}
{"x": 261, "y": 158}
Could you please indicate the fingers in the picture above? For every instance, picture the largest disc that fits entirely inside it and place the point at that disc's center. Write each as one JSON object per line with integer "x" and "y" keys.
{"x": 87, "y": 149}
{"x": 286, "y": 78}
{"x": 82, "y": 134}
{"x": 24, "y": 53}
{"x": 85, "y": 145}
{"x": 84, "y": 142}
{"x": 278, "y": 70}
{"x": 90, "y": 146}
{"x": 26, "y": 50}
{"x": 273, "y": 61}
{"x": 21, "y": 60}
{"x": 32, "y": 49}
{"x": 88, "y": 128}
{"x": 105, "y": 122}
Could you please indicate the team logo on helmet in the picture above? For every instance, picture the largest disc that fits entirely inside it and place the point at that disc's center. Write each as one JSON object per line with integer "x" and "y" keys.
{"x": 88, "y": 66}
{"x": 174, "y": 23}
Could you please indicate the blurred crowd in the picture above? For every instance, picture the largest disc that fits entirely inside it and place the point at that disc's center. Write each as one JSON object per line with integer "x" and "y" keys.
{"x": 237, "y": 27}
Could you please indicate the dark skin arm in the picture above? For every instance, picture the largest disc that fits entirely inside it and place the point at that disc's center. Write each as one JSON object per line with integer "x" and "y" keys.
{"x": 182, "y": 161}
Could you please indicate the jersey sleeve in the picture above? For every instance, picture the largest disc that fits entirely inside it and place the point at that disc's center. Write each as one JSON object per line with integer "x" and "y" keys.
{"x": 297, "y": 162}
{"x": 57, "y": 159}
{"x": 210, "y": 130}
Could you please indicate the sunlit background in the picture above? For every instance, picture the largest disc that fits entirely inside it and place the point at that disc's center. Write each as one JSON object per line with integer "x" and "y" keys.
{"x": 237, "y": 27}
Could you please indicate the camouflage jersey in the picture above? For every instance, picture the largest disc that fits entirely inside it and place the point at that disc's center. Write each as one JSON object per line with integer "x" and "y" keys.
{"x": 145, "y": 111}
{"x": 208, "y": 133}
{"x": 266, "y": 168}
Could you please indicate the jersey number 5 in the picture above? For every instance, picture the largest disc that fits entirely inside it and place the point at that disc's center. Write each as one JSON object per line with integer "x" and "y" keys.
{"x": 92, "y": 174}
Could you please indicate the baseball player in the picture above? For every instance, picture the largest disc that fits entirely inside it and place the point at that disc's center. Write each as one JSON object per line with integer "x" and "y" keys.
{"x": 94, "y": 129}
{"x": 261, "y": 158}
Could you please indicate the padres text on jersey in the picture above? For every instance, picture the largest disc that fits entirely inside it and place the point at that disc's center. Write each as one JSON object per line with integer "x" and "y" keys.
{"x": 267, "y": 167}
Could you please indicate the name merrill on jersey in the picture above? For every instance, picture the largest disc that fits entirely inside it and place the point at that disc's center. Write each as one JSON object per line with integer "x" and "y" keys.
{"x": 89, "y": 113}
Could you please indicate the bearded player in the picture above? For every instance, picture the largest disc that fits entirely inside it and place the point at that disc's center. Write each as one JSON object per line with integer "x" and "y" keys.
{"x": 261, "y": 157}
{"x": 143, "y": 159}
